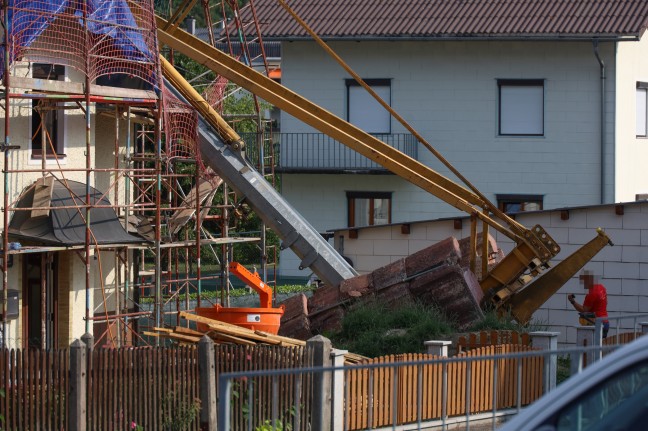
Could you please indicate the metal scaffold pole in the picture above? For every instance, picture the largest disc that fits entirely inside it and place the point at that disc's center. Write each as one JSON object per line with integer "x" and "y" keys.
{"x": 88, "y": 178}
{"x": 5, "y": 207}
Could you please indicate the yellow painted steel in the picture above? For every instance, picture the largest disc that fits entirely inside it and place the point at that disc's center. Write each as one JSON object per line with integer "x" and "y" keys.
{"x": 523, "y": 303}
{"x": 196, "y": 100}
{"x": 506, "y": 281}
{"x": 333, "y": 126}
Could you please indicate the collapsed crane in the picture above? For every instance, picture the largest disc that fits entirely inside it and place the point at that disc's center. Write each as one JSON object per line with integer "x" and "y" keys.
{"x": 519, "y": 284}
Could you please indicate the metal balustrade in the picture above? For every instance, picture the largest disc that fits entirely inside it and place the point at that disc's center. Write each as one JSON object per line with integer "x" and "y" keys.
{"x": 317, "y": 152}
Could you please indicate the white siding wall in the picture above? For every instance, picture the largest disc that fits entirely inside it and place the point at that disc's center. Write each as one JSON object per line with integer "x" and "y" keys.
{"x": 448, "y": 92}
{"x": 623, "y": 268}
{"x": 631, "y": 152}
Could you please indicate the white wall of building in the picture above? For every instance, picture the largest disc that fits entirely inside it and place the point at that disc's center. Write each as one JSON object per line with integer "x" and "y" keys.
{"x": 448, "y": 92}
{"x": 623, "y": 269}
{"x": 631, "y": 152}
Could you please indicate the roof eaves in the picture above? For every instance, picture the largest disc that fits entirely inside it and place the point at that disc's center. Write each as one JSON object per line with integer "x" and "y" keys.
{"x": 465, "y": 38}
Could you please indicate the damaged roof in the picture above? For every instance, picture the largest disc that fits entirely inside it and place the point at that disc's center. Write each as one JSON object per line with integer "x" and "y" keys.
{"x": 455, "y": 19}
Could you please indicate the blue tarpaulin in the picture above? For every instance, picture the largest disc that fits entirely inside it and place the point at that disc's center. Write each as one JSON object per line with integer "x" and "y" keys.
{"x": 112, "y": 18}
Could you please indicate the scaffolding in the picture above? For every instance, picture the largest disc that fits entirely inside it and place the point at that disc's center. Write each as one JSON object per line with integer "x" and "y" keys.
{"x": 135, "y": 153}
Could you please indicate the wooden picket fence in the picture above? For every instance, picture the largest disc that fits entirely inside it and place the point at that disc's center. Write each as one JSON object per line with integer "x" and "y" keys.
{"x": 378, "y": 397}
{"x": 254, "y": 398}
{"x": 154, "y": 387}
{"x": 35, "y": 385}
{"x": 623, "y": 338}
{"x": 479, "y": 339}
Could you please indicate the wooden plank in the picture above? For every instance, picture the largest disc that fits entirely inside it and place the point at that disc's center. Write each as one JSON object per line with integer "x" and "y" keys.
{"x": 77, "y": 88}
{"x": 192, "y": 339}
{"x": 42, "y": 196}
{"x": 231, "y": 338}
{"x": 187, "y": 331}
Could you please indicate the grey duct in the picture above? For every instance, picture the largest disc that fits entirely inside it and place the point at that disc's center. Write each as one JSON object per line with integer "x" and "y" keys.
{"x": 595, "y": 44}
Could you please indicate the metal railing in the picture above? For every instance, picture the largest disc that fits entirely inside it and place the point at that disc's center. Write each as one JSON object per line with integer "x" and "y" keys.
{"x": 302, "y": 152}
{"x": 618, "y": 323}
{"x": 335, "y": 378}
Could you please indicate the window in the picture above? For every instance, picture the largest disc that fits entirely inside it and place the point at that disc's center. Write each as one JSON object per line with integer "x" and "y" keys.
{"x": 369, "y": 208}
{"x": 46, "y": 116}
{"x": 521, "y": 107}
{"x": 618, "y": 403}
{"x": 518, "y": 203}
{"x": 363, "y": 111}
{"x": 642, "y": 112}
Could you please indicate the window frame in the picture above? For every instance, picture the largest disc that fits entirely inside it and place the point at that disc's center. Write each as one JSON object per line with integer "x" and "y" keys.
{"x": 643, "y": 87}
{"x": 58, "y": 122}
{"x": 372, "y": 82}
{"x": 519, "y": 83}
{"x": 351, "y": 206}
{"x": 522, "y": 199}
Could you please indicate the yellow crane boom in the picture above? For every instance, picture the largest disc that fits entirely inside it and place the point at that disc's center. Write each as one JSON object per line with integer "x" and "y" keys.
{"x": 534, "y": 247}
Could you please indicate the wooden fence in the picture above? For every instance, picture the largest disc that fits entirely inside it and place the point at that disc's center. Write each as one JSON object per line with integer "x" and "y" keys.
{"x": 255, "y": 398}
{"x": 379, "y": 396}
{"x": 35, "y": 385}
{"x": 153, "y": 387}
{"x": 623, "y": 338}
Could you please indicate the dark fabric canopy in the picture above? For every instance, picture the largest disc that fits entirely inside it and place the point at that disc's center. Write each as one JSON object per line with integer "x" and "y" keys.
{"x": 65, "y": 226}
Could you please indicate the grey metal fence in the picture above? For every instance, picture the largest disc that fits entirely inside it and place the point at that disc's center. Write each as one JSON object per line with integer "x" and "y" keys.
{"x": 335, "y": 402}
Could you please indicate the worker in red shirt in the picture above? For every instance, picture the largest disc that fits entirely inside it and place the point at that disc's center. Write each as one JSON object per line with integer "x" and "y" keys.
{"x": 595, "y": 300}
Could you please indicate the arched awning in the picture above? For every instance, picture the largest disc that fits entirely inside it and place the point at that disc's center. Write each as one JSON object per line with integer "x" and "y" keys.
{"x": 64, "y": 223}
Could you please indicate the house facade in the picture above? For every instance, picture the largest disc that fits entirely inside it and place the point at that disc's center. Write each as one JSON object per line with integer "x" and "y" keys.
{"x": 65, "y": 253}
{"x": 538, "y": 108}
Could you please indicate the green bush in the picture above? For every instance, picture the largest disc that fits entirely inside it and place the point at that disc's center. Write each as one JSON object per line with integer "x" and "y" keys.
{"x": 374, "y": 329}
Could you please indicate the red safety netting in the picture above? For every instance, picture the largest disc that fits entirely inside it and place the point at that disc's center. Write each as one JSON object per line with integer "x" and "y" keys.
{"x": 96, "y": 37}
{"x": 181, "y": 130}
{"x": 214, "y": 94}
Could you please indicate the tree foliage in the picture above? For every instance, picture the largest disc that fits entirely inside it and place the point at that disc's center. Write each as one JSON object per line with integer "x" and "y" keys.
{"x": 239, "y": 107}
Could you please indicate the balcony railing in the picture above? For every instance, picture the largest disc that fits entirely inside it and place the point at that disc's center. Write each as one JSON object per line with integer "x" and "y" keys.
{"x": 317, "y": 152}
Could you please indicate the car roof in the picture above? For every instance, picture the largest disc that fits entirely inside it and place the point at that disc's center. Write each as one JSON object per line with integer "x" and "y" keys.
{"x": 549, "y": 404}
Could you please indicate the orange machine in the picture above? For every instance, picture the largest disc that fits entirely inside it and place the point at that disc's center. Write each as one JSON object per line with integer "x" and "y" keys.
{"x": 265, "y": 318}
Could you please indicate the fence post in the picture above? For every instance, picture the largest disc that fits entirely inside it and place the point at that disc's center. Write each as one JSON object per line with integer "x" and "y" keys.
{"x": 584, "y": 338}
{"x": 321, "y": 416}
{"x": 88, "y": 340}
{"x": 207, "y": 383}
{"x": 78, "y": 380}
{"x": 338, "y": 388}
{"x": 437, "y": 347}
{"x": 547, "y": 341}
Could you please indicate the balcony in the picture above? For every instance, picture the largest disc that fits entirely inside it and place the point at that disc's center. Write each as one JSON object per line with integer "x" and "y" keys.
{"x": 319, "y": 153}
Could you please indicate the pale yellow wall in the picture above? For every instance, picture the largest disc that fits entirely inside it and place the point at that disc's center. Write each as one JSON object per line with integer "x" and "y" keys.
{"x": 631, "y": 152}
{"x": 72, "y": 293}
{"x": 14, "y": 327}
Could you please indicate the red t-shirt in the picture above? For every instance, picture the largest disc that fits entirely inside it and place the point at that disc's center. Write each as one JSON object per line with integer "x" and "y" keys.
{"x": 596, "y": 300}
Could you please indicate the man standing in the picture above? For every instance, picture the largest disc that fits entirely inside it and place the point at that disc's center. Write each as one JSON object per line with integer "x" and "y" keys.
{"x": 595, "y": 300}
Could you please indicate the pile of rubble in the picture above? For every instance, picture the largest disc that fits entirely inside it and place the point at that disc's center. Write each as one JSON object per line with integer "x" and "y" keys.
{"x": 438, "y": 275}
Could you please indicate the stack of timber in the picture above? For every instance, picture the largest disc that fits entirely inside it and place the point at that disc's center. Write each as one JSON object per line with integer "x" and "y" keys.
{"x": 438, "y": 275}
{"x": 221, "y": 332}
